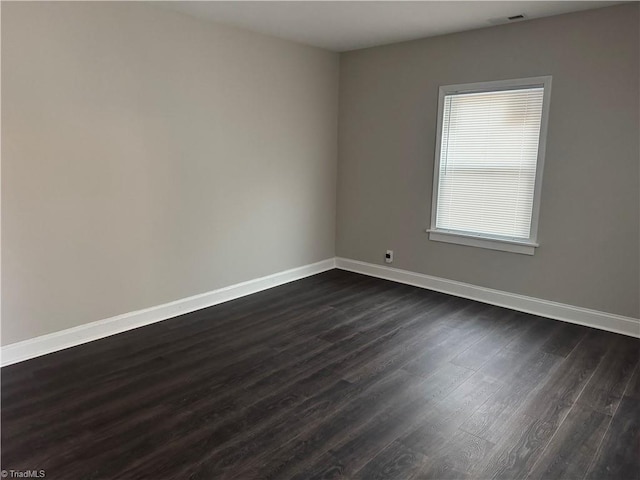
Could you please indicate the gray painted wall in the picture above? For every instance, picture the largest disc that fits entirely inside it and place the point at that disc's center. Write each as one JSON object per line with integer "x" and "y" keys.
{"x": 148, "y": 156}
{"x": 590, "y": 208}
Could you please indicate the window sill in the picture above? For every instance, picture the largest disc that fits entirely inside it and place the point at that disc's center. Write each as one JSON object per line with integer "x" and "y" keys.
{"x": 515, "y": 246}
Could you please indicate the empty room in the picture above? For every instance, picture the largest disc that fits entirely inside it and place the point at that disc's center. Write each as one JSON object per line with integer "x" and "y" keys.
{"x": 320, "y": 240}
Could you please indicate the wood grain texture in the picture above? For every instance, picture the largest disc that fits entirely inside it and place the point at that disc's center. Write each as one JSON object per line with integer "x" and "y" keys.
{"x": 573, "y": 447}
{"x": 364, "y": 443}
{"x": 619, "y": 451}
{"x": 604, "y": 391}
{"x": 334, "y": 376}
{"x": 394, "y": 462}
{"x": 456, "y": 458}
{"x": 516, "y": 452}
{"x": 443, "y": 420}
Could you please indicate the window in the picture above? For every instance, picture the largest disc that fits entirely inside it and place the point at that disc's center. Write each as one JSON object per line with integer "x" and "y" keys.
{"x": 488, "y": 163}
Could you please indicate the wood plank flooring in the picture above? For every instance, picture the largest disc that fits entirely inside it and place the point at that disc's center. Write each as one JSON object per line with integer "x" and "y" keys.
{"x": 335, "y": 376}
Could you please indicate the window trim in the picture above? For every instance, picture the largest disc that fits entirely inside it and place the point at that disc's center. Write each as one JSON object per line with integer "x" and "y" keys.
{"x": 509, "y": 244}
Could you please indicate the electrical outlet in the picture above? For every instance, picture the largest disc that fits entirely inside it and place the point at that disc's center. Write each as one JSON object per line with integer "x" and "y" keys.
{"x": 388, "y": 258}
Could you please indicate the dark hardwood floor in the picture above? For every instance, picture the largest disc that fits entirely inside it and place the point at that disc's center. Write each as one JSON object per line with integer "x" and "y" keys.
{"x": 335, "y": 376}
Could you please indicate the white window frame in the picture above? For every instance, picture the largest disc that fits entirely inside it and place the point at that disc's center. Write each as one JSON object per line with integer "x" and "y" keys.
{"x": 493, "y": 242}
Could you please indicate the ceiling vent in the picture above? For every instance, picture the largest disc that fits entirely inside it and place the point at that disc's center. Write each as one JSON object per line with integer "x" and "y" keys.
{"x": 513, "y": 18}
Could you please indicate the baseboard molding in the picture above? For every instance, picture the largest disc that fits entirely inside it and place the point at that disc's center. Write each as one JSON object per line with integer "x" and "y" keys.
{"x": 544, "y": 308}
{"x": 35, "y": 347}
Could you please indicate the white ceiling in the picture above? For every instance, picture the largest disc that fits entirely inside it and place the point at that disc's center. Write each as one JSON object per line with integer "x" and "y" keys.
{"x": 349, "y": 25}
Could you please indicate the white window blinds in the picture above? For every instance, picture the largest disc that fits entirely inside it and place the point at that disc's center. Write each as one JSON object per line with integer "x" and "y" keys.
{"x": 487, "y": 165}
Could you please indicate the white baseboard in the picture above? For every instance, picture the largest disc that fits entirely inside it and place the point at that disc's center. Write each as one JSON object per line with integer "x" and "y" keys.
{"x": 34, "y": 347}
{"x": 544, "y": 308}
